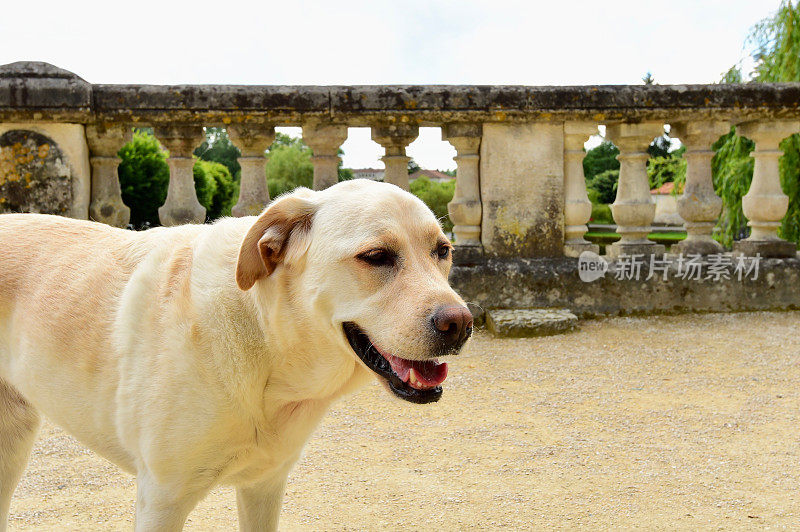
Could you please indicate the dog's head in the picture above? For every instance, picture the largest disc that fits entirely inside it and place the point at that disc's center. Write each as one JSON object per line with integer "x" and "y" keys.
{"x": 365, "y": 264}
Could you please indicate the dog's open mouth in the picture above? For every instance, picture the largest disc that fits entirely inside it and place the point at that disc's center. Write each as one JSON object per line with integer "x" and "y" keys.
{"x": 417, "y": 381}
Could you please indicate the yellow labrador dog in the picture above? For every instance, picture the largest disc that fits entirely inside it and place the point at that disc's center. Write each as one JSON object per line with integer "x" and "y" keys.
{"x": 206, "y": 354}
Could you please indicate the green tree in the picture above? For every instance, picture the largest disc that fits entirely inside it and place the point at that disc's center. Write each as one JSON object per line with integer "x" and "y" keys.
{"x": 599, "y": 159}
{"x": 436, "y": 196}
{"x": 289, "y": 165}
{"x": 732, "y": 75}
{"x": 774, "y": 45}
{"x": 219, "y": 148}
{"x": 660, "y": 146}
{"x": 345, "y": 174}
{"x": 732, "y": 172}
{"x": 662, "y": 170}
{"x": 604, "y": 185}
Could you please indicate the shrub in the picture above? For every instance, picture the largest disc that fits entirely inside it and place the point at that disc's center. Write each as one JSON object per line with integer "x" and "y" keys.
{"x": 436, "y": 196}
{"x": 605, "y": 185}
{"x": 216, "y": 190}
{"x": 143, "y": 178}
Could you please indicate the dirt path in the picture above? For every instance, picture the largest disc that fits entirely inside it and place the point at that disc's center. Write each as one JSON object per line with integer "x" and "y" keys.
{"x": 666, "y": 422}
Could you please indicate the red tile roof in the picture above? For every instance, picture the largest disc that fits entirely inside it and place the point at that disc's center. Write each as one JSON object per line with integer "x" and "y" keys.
{"x": 666, "y": 188}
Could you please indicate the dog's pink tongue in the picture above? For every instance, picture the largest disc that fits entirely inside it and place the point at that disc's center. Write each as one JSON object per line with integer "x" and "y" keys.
{"x": 426, "y": 373}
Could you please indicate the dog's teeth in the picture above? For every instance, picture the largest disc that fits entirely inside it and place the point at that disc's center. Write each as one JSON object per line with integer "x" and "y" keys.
{"x": 412, "y": 377}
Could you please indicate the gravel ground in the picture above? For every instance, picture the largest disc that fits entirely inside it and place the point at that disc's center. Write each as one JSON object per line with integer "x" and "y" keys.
{"x": 688, "y": 422}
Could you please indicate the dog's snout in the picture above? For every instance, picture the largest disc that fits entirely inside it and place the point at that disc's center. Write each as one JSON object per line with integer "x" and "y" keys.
{"x": 453, "y": 324}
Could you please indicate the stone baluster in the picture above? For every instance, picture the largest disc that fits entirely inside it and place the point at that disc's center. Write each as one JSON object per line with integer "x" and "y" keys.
{"x": 394, "y": 138}
{"x": 699, "y": 206}
{"x": 634, "y": 208}
{"x": 765, "y": 204}
{"x": 106, "y": 204}
{"x": 252, "y": 141}
{"x": 324, "y": 140}
{"x": 465, "y": 208}
{"x": 577, "y": 207}
{"x": 181, "y": 206}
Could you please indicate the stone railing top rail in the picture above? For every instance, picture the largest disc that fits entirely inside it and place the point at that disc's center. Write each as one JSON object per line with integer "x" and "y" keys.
{"x": 39, "y": 91}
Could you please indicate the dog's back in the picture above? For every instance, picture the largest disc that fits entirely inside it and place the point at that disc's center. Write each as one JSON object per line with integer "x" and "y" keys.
{"x": 61, "y": 285}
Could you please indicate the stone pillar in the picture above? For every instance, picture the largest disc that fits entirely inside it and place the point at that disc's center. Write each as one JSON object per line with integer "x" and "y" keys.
{"x": 252, "y": 141}
{"x": 577, "y": 207}
{"x": 522, "y": 189}
{"x": 699, "y": 206}
{"x": 181, "y": 206}
{"x": 324, "y": 140}
{"x": 765, "y": 204}
{"x": 634, "y": 208}
{"x": 394, "y": 138}
{"x": 465, "y": 207}
{"x": 104, "y": 143}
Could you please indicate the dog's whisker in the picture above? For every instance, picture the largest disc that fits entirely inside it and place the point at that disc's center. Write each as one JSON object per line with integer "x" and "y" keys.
{"x": 473, "y": 303}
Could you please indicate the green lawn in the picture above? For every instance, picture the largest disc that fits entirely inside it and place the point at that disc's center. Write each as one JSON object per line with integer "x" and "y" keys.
{"x": 604, "y": 238}
{"x": 612, "y": 236}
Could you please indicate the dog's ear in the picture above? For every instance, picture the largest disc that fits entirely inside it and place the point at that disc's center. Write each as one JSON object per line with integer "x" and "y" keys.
{"x": 281, "y": 233}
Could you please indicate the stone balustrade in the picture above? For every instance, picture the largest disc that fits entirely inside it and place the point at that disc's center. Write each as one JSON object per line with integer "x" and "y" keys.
{"x": 520, "y": 190}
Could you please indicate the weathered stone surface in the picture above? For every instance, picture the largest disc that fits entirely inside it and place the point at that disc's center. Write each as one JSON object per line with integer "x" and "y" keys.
{"x": 577, "y": 207}
{"x": 33, "y": 84}
{"x": 465, "y": 209}
{"x": 522, "y": 190}
{"x": 29, "y": 87}
{"x": 774, "y": 248}
{"x": 107, "y": 205}
{"x": 394, "y": 138}
{"x": 535, "y": 283}
{"x": 467, "y": 254}
{"x": 34, "y": 175}
{"x": 637, "y": 247}
{"x": 519, "y": 323}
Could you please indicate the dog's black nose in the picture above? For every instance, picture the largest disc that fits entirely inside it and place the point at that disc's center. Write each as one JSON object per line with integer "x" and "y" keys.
{"x": 453, "y": 324}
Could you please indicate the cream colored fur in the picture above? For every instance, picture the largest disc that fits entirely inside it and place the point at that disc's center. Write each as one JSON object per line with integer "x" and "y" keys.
{"x": 143, "y": 346}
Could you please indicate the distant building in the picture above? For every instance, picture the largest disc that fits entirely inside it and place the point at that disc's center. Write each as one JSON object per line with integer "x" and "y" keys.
{"x": 375, "y": 174}
{"x": 433, "y": 175}
{"x": 666, "y": 206}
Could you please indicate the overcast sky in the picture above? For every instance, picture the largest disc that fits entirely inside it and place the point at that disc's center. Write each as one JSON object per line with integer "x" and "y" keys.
{"x": 380, "y": 42}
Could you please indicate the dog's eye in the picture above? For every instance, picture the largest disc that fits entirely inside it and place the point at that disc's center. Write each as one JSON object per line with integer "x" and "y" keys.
{"x": 442, "y": 251}
{"x": 378, "y": 257}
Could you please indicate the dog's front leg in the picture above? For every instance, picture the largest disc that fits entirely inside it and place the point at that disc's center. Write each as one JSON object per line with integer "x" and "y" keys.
{"x": 164, "y": 508}
{"x": 259, "y": 504}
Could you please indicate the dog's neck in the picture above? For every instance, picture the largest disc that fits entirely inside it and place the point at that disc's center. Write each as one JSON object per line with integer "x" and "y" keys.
{"x": 251, "y": 338}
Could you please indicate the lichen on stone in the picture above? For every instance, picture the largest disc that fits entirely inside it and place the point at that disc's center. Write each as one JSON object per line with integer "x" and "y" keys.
{"x": 34, "y": 174}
